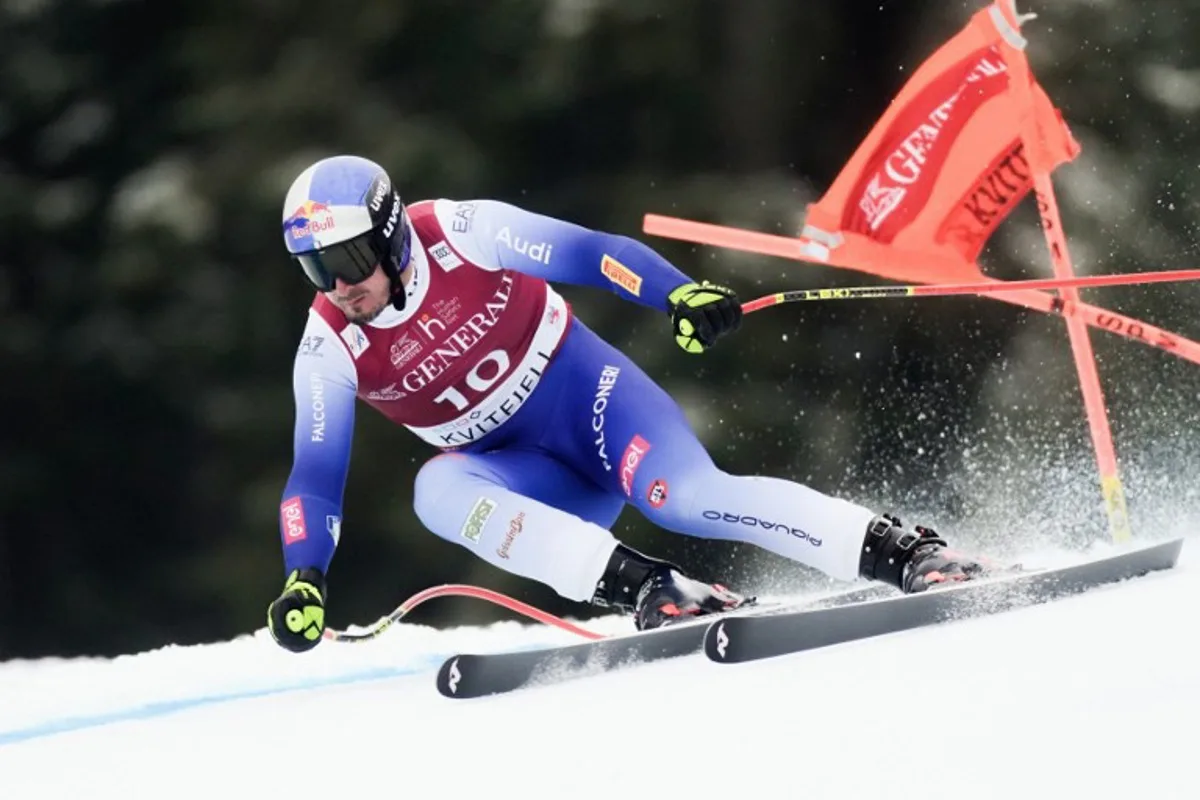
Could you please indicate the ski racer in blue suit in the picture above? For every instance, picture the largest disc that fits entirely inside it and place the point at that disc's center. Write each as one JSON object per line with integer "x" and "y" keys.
{"x": 441, "y": 315}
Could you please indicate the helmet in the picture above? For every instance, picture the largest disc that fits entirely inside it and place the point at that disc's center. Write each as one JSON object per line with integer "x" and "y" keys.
{"x": 341, "y": 219}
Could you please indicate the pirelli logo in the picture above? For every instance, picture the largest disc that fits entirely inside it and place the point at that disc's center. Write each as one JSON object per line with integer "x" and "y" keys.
{"x": 621, "y": 275}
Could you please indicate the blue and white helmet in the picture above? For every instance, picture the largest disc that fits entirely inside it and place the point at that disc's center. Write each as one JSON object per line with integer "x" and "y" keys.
{"x": 342, "y": 219}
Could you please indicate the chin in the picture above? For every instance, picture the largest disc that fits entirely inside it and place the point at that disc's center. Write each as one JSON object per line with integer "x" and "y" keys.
{"x": 363, "y": 317}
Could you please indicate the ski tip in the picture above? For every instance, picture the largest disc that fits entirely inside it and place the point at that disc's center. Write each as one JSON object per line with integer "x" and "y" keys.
{"x": 1172, "y": 548}
{"x": 1175, "y": 547}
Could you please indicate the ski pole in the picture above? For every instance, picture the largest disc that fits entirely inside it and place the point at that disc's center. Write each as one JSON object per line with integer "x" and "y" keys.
{"x": 977, "y": 287}
{"x": 459, "y": 590}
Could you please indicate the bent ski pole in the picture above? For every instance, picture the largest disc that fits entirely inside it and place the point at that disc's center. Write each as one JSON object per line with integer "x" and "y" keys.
{"x": 458, "y": 590}
{"x": 978, "y": 287}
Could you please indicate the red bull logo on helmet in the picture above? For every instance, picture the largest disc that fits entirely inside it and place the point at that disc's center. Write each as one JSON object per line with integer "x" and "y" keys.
{"x": 309, "y": 218}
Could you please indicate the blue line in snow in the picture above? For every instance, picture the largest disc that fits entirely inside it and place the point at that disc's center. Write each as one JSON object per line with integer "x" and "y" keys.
{"x": 165, "y": 707}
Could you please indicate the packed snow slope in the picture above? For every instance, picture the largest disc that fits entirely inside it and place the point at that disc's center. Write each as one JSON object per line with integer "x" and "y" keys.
{"x": 1088, "y": 697}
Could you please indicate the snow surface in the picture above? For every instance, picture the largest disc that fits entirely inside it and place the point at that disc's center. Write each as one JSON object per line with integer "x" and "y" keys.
{"x": 1088, "y": 697}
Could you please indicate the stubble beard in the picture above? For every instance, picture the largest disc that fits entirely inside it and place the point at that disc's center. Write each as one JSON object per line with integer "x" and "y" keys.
{"x": 363, "y": 317}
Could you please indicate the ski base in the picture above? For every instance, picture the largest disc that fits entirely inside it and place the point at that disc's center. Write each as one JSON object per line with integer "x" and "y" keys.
{"x": 771, "y": 634}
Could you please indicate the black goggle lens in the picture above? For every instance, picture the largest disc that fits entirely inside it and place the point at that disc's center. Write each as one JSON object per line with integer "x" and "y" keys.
{"x": 352, "y": 261}
{"x": 355, "y": 260}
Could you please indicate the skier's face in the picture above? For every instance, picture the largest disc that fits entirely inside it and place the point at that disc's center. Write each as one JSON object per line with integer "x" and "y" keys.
{"x": 364, "y": 301}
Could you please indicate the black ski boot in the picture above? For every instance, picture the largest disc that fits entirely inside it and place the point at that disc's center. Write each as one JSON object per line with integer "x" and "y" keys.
{"x": 658, "y": 593}
{"x": 913, "y": 560}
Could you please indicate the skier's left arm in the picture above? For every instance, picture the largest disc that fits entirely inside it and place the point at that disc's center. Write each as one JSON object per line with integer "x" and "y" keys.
{"x": 503, "y": 236}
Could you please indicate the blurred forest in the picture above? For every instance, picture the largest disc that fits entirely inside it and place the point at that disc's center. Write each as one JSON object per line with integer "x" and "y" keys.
{"x": 150, "y": 314}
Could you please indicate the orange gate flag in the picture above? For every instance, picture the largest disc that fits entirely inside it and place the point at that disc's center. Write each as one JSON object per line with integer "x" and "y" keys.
{"x": 940, "y": 170}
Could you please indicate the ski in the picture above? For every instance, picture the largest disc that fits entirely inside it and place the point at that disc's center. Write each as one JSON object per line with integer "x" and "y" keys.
{"x": 471, "y": 675}
{"x": 777, "y": 633}
{"x": 468, "y": 676}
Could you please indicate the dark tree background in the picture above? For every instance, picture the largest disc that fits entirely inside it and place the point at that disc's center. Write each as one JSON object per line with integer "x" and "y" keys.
{"x": 150, "y": 314}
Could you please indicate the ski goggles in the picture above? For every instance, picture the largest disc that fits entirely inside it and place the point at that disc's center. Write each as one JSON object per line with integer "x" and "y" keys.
{"x": 355, "y": 260}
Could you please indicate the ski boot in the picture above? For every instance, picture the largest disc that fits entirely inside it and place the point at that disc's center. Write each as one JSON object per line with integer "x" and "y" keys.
{"x": 913, "y": 561}
{"x": 658, "y": 593}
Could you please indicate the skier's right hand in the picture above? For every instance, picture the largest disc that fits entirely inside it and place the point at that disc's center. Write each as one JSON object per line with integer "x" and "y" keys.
{"x": 296, "y": 618}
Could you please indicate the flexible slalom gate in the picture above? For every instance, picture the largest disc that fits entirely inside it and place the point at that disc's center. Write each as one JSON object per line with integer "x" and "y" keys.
{"x": 770, "y": 244}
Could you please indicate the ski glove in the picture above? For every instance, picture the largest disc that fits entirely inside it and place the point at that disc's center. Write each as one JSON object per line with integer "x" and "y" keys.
{"x": 297, "y": 617}
{"x": 701, "y": 313}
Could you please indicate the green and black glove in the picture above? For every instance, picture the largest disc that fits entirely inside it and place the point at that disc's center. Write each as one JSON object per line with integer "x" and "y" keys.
{"x": 297, "y": 617}
{"x": 701, "y": 313}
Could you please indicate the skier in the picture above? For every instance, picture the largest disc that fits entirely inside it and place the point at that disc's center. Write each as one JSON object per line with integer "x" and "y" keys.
{"x": 441, "y": 316}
